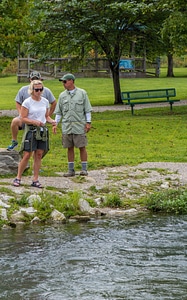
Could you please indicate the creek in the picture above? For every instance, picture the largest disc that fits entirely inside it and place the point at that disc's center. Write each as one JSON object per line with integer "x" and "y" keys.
{"x": 136, "y": 257}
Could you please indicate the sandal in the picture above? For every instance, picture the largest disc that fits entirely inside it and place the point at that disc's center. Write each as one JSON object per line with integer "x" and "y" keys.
{"x": 36, "y": 184}
{"x": 16, "y": 182}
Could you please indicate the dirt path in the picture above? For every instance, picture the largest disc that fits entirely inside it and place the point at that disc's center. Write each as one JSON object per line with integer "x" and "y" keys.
{"x": 128, "y": 181}
{"x": 13, "y": 112}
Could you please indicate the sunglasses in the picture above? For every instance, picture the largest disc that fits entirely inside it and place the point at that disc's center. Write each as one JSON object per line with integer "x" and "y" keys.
{"x": 64, "y": 81}
{"x": 37, "y": 90}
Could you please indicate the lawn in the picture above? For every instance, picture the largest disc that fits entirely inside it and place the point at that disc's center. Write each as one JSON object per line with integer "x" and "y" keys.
{"x": 117, "y": 138}
{"x": 100, "y": 90}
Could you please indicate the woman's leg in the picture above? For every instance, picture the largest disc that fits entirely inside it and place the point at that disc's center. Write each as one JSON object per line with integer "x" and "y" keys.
{"x": 23, "y": 164}
{"x": 37, "y": 163}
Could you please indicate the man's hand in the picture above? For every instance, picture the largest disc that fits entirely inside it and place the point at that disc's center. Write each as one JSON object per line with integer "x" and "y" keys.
{"x": 54, "y": 129}
{"x": 87, "y": 127}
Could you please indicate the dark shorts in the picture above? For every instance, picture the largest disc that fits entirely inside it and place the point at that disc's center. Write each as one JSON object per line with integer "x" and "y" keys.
{"x": 22, "y": 127}
{"x": 74, "y": 140}
{"x": 31, "y": 144}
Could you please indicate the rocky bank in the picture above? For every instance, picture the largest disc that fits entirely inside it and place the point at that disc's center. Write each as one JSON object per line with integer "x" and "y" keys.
{"x": 130, "y": 183}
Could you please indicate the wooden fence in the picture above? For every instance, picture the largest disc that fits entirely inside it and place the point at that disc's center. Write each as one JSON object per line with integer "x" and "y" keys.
{"x": 57, "y": 67}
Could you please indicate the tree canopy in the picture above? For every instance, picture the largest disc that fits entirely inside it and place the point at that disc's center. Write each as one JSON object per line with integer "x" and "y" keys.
{"x": 54, "y": 28}
{"x": 110, "y": 25}
{"x": 15, "y": 25}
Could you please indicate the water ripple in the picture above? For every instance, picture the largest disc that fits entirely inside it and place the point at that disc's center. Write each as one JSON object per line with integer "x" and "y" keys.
{"x": 132, "y": 258}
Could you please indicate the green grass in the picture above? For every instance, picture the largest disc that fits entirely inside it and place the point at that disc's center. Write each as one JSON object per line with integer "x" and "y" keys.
{"x": 117, "y": 138}
{"x": 100, "y": 90}
{"x": 170, "y": 201}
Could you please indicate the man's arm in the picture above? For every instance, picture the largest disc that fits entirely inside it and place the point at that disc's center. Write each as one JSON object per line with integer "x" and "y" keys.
{"x": 18, "y": 107}
{"x": 52, "y": 108}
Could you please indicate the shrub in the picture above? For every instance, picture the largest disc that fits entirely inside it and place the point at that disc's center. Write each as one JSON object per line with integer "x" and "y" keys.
{"x": 170, "y": 201}
{"x": 113, "y": 200}
{"x": 8, "y": 66}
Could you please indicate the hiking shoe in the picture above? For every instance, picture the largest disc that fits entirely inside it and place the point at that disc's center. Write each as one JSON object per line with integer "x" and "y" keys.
{"x": 83, "y": 173}
{"x": 13, "y": 145}
{"x": 69, "y": 174}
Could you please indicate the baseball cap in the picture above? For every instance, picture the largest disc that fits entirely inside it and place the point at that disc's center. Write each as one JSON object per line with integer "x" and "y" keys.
{"x": 67, "y": 77}
{"x": 35, "y": 74}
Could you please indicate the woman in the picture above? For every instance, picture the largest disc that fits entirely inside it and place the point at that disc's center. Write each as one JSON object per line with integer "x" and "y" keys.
{"x": 35, "y": 114}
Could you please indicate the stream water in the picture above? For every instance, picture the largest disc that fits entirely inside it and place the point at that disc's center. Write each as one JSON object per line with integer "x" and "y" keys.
{"x": 121, "y": 258}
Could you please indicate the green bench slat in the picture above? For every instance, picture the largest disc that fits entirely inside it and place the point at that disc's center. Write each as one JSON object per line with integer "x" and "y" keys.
{"x": 130, "y": 97}
{"x": 150, "y": 102}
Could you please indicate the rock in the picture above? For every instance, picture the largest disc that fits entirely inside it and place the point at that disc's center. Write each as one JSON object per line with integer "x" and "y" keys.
{"x": 3, "y": 214}
{"x": 20, "y": 215}
{"x": 121, "y": 212}
{"x": 33, "y": 198}
{"x": 17, "y": 217}
{"x": 28, "y": 210}
{"x": 84, "y": 206}
{"x": 8, "y": 227}
{"x": 9, "y": 161}
{"x": 165, "y": 185}
{"x": 99, "y": 200}
{"x": 6, "y": 198}
{"x": 35, "y": 221}
{"x": 81, "y": 218}
{"x": 57, "y": 216}
{"x": 2, "y": 204}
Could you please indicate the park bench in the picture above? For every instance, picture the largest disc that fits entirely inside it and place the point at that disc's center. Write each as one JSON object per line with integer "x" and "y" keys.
{"x": 149, "y": 96}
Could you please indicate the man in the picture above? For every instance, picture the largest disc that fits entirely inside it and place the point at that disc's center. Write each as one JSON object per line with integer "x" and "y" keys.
{"x": 23, "y": 94}
{"x": 75, "y": 109}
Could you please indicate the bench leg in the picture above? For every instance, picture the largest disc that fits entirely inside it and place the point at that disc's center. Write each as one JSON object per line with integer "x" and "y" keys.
{"x": 132, "y": 109}
{"x": 171, "y": 105}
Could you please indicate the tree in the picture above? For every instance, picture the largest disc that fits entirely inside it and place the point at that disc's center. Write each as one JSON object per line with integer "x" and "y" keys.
{"x": 112, "y": 25}
{"x": 15, "y": 25}
{"x": 174, "y": 31}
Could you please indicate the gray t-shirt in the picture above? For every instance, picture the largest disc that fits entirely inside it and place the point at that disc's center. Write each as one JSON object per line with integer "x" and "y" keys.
{"x": 23, "y": 94}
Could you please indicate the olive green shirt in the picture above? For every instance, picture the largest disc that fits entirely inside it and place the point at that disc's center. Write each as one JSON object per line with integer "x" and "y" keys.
{"x": 73, "y": 109}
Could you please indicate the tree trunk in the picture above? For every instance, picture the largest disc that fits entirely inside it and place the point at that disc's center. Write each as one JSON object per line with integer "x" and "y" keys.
{"x": 116, "y": 84}
{"x": 170, "y": 65}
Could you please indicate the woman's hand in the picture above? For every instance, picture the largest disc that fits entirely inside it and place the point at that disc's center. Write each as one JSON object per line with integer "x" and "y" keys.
{"x": 40, "y": 124}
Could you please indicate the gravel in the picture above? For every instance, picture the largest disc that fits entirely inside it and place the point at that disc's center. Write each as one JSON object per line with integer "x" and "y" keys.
{"x": 130, "y": 182}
